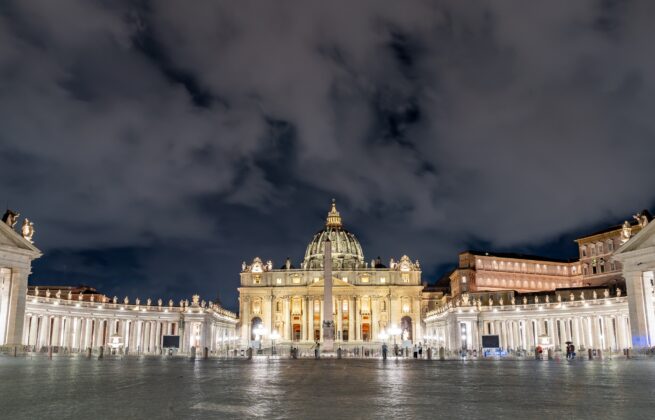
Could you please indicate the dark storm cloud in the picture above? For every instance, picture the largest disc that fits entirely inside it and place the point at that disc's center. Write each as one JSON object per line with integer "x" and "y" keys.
{"x": 176, "y": 139}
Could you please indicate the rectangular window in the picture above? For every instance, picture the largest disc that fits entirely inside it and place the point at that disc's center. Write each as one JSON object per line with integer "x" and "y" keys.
{"x": 383, "y": 280}
{"x": 278, "y": 281}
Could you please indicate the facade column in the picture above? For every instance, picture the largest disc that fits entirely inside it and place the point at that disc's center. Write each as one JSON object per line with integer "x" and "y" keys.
{"x": 358, "y": 320}
{"x": 351, "y": 318}
{"x": 339, "y": 323}
{"x": 640, "y": 306}
{"x": 287, "y": 333}
{"x": 16, "y": 307}
{"x": 305, "y": 317}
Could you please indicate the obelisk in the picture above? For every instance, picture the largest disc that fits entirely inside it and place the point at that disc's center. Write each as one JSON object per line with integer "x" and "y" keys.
{"x": 328, "y": 320}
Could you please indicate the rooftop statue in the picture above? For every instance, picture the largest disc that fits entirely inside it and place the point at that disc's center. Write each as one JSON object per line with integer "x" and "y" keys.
{"x": 10, "y": 218}
{"x": 641, "y": 219}
{"x": 626, "y": 232}
{"x": 28, "y": 230}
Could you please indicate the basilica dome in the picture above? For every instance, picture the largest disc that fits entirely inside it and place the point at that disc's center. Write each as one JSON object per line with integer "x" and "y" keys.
{"x": 346, "y": 250}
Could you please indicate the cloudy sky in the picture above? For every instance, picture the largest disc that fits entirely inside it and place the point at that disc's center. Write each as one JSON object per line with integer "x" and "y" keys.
{"x": 157, "y": 144}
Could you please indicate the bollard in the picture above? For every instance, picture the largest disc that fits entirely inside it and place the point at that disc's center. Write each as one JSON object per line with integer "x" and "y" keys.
{"x": 101, "y": 352}
{"x": 193, "y": 352}
{"x": 339, "y": 353}
{"x": 205, "y": 353}
{"x": 249, "y": 353}
{"x": 442, "y": 353}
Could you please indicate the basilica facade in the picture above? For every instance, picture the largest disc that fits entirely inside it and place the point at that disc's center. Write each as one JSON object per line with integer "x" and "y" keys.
{"x": 369, "y": 299}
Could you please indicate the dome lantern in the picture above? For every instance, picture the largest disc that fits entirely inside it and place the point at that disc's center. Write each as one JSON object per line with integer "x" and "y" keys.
{"x": 333, "y": 217}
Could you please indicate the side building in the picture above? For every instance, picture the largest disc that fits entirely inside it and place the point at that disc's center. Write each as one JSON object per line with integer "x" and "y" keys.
{"x": 530, "y": 302}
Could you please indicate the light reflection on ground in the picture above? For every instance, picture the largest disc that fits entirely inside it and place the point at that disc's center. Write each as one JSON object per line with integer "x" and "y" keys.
{"x": 131, "y": 388}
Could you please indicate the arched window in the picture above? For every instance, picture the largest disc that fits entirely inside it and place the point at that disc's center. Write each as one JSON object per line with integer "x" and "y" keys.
{"x": 583, "y": 251}
{"x": 406, "y": 328}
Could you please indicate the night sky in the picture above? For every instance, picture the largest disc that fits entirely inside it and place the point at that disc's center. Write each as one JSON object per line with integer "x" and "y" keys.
{"x": 157, "y": 144}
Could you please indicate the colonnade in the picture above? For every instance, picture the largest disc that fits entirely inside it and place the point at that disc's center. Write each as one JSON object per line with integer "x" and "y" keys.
{"x": 604, "y": 325}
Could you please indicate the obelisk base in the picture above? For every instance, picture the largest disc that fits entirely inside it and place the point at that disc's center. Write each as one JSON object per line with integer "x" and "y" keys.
{"x": 328, "y": 337}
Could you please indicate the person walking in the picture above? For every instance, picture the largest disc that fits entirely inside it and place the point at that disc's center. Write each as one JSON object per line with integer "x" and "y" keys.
{"x": 415, "y": 352}
{"x": 420, "y": 351}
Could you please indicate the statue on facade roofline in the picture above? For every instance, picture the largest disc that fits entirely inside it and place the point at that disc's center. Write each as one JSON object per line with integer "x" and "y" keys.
{"x": 126, "y": 300}
{"x": 58, "y": 294}
{"x": 500, "y": 301}
{"x": 595, "y": 295}
{"x": 159, "y": 302}
{"x": 28, "y": 230}
{"x": 547, "y": 299}
{"x": 626, "y": 232}
{"x": 606, "y": 293}
{"x": 536, "y": 299}
{"x": 10, "y": 218}
{"x": 571, "y": 297}
{"x": 47, "y": 293}
{"x": 559, "y": 298}
{"x": 618, "y": 292}
{"x": 243, "y": 266}
{"x": 149, "y": 301}
{"x": 92, "y": 298}
{"x": 70, "y": 295}
{"x": 582, "y": 295}
{"x": 115, "y": 300}
{"x": 36, "y": 291}
{"x": 641, "y": 219}
{"x": 137, "y": 301}
{"x": 170, "y": 303}
{"x": 513, "y": 300}
{"x": 525, "y": 300}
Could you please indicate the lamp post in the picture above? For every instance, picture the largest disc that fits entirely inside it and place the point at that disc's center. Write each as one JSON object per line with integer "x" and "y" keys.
{"x": 274, "y": 336}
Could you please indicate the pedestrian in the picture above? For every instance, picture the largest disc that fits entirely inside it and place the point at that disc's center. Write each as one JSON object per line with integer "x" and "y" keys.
{"x": 420, "y": 351}
{"x": 415, "y": 352}
{"x": 568, "y": 351}
{"x": 572, "y": 351}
